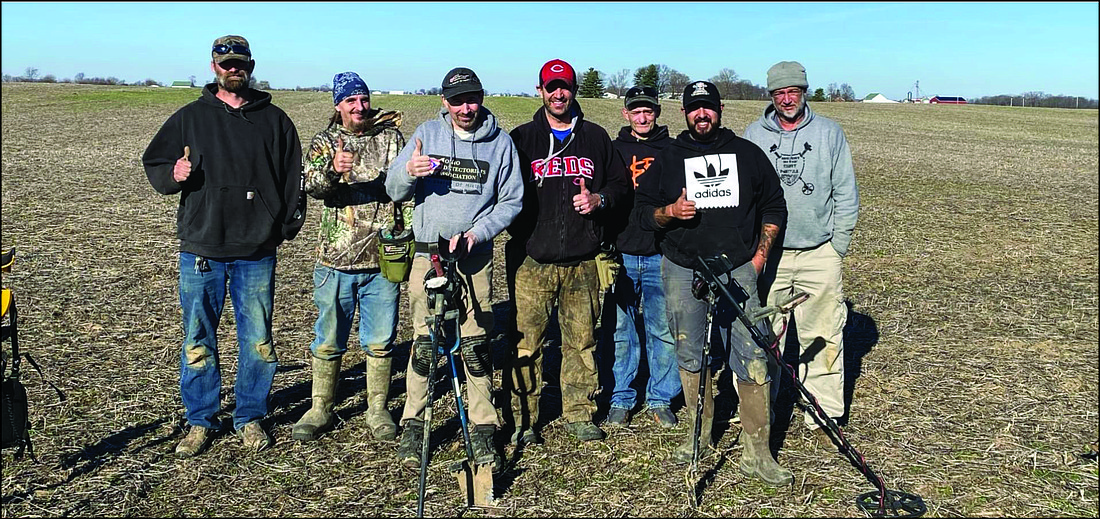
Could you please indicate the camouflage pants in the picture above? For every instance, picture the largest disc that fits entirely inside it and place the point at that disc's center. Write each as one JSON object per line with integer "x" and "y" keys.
{"x": 575, "y": 291}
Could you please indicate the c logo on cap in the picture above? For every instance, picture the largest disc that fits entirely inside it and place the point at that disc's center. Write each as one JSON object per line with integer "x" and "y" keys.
{"x": 557, "y": 68}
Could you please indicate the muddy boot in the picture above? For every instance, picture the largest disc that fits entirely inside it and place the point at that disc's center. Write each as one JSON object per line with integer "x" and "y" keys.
{"x": 485, "y": 449}
{"x": 408, "y": 451}
{"x": 378, "y": 388}
{"x": 682, "y": 453}
{"x": 757, "y": 460}
{"x": 320, "y": 417}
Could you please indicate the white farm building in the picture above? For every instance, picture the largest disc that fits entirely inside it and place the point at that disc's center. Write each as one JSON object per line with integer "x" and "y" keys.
{"x": 875, "y": 97}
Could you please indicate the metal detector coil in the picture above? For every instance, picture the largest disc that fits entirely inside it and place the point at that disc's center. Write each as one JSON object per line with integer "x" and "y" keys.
{"x": 880, "y": 503}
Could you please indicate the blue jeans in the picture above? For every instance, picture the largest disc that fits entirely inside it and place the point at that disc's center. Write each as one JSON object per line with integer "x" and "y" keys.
{"x": 640, "y": 282}
{"x": 337, "y": 294}
{"x": 202, "y": 296}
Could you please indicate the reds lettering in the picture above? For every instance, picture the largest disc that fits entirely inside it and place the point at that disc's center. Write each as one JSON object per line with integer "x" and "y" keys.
{"x": 563, "y": 166}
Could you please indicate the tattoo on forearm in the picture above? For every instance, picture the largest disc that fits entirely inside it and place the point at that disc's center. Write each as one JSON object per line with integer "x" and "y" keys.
{"x": 767, "y": 236}
{"x": 661, "y": 216}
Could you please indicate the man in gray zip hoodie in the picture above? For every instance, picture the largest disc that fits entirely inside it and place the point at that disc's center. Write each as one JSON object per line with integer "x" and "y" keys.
{"x": 814, "y": 164}
{"x": 462, "y": 171}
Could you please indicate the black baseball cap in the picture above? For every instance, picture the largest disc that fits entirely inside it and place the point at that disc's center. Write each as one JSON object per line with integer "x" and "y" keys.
{"x": 460, "y": 80}
{"x": 641, "y": 94}
{"x": 702, "y": 92}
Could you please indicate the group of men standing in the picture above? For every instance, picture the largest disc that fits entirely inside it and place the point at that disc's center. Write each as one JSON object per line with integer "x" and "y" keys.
{"x": 781, "y": 203}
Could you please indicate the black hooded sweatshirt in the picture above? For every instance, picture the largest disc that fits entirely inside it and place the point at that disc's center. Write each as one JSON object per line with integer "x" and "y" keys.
{"x": 244, "y": 195}
{"x": 637, "y": 155}
{"x": 553, "y": 231}
{"x": 734, "y": 231}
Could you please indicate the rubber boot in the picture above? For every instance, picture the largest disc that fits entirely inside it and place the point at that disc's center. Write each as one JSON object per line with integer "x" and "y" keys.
{"x": 320, "y": 417}
{"x": 757, "y": 460}
{"x": 682, "y": 453}
{"x": 378, "y": 389}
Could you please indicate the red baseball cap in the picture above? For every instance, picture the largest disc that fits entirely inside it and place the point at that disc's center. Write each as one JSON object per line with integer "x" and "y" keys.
{"x": 557, "y": 69}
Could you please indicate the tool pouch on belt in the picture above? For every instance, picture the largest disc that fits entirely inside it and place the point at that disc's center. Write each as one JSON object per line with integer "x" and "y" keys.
{"x": 395, "y": 248}
{"x": 608, "y": 266}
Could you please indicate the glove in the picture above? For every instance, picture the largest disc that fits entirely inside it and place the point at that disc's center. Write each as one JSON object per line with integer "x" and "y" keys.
{"x": 608, "y": 267}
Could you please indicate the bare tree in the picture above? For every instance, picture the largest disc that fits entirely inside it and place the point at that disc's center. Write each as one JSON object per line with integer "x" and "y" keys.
{"x": 31, "y": 73}
{"x": 674, "y": 80}
{"x": 192, "y": 78}
{"x": 846, "y": 92}
{"x": 726, "y": 81}
{"x": 832, "y": 92}
{"x": 617, "y": 82}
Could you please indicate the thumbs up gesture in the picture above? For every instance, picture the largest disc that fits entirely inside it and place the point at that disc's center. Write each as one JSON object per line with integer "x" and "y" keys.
{"x": 586, "y": 201}
{"x": 342, "y": 161}
{"x": 682, "y": 208}
{"x": 420, "y": 165}
{"x": 182, "y": 169}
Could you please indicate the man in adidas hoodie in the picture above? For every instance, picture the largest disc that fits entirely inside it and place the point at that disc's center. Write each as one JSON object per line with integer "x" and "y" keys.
{"x": 710, "y": 193}
{"x": 814, "y": 163}
{"x": 639, "y": 283}
{"x": 236, "y": 161}
{"x": 573, "y": 182}
{"x": 463, "y": 174}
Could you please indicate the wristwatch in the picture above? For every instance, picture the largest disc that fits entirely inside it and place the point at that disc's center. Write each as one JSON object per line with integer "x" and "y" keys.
{"x": 603, "y": 201}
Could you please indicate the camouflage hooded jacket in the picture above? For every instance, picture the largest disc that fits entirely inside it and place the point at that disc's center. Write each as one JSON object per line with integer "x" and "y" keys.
{"x": 356, "y": 203}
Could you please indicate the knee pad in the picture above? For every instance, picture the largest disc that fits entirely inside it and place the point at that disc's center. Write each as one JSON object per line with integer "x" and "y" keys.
{"x": 422, "y": 355}
{"x": 475, "y": 353}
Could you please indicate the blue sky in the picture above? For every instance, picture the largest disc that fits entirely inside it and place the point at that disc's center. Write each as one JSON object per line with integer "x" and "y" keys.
{"x": 952, "y": 49}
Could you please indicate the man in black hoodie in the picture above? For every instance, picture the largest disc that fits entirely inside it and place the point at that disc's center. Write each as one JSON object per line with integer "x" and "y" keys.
{"x": 710, "y": 193}
{"x": 573, "y": 182}
{"x": 640, "y": 280}
{"x": 236, "y": 161}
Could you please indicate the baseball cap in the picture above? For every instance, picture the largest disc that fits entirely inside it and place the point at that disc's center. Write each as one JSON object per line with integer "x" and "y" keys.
{"x": 640, "y": 94}
{"x": 702, "y": 92}
{"x": 557, "y": 69}
{"x": 230, "y": 47}
{"x": 460, "y": 80}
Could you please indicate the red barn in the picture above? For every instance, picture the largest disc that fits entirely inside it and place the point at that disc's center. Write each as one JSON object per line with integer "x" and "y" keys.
{"x": 947, "y": 100}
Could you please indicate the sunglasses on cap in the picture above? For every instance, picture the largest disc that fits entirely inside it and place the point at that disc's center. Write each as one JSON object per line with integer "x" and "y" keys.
{"x": 232, "y": 49}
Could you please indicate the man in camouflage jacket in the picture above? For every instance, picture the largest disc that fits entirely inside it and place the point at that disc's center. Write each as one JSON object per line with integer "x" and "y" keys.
{"x": 346, "y": 168}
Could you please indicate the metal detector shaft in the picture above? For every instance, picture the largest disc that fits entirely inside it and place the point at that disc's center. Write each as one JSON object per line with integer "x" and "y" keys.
{"x": 704, "y": 364}
{"x": 458, "y": 401}
{"x": 912, "y": 505}
{"x": 436, "y": 331}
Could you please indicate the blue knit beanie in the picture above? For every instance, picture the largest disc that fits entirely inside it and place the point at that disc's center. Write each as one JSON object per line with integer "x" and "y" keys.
{"x": 347, "y": 84}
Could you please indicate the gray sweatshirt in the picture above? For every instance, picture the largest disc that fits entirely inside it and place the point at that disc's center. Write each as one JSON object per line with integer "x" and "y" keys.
{"x": 478, "y": 186}
{"x": 815, "y": 169}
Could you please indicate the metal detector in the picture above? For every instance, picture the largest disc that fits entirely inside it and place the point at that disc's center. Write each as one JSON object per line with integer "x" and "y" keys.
{"x": 444, "y": 288}
{"x": 879, "y": 503}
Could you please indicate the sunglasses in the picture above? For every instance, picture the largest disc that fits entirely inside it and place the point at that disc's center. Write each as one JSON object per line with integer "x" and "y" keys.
{"x": 232, "y": 49}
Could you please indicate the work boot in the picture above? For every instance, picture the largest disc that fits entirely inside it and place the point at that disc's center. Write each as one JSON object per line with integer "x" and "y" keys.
{"x": 197, "y": 439}
{"x": 408, "y": 451}
{"x": 378, "y": 389}
{"x": 757, "y": 460}
{"x": 584, "y": 431}
{"x": 485, "y": 450}
{"x": 525, "y": 436}
{"x": 254, "y": 436}
{"x": 683, "y": 452}
{"x": 320, "y": 417}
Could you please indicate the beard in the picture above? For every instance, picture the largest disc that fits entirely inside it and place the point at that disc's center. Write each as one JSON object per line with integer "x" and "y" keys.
{"x": 710, "y": 132}
{"x": 235, "y": 82}
{"x": 795, "y": 113}
{"x": 559, "y": 115}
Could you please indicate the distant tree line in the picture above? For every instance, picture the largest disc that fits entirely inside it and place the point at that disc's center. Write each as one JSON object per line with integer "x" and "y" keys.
{"x": 670, "y": 83}
{"x": 1037, "y": 98}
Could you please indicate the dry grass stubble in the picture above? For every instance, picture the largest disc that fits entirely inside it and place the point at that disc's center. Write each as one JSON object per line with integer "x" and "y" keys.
{"x": 972, "y": 340}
